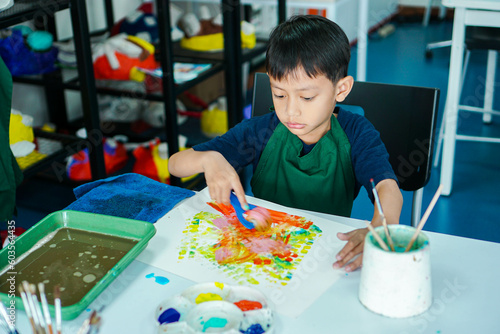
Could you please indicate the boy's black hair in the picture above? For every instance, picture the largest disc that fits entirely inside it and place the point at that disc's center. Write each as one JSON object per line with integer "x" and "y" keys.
{"x": 312, "y": 42}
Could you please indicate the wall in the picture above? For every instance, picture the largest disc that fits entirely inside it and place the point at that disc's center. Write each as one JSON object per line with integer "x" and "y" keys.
{"x": 418, "y": 3}
{"x": 343, "y": 12}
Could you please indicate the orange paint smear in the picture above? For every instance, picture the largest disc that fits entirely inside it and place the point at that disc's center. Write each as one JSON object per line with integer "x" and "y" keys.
{"x": 277, "y": 217}
{"x": 237, "y": 244}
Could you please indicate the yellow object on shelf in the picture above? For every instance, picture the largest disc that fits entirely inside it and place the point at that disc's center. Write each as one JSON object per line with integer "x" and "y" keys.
{"x": 30, "y": 159}
{"x": 142, "y": 43}
{"x": 214, "y": 120}
{"x": 137, "y": 75}
{"x": 161, "y": 164}
{"x": 159, "y": 154}
{"x": 47, "y": 127}
{"x": 215, "y": 42}
{"x": 18, "y": 130}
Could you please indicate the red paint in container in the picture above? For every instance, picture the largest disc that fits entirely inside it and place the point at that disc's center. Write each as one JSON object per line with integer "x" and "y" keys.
{"x": 248, "y": 305}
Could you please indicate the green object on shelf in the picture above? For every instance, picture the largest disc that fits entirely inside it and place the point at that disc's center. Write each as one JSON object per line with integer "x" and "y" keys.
{"x": 73, "y": 245}
{"x": 40, "y": 40}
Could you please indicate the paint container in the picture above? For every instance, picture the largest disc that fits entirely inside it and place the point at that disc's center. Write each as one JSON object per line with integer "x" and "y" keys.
{"x": 248, "y": 300}
{"x": 396, "y": 284}
{"x": 215, "y": 317}
{"x": 216, "y": 308}
{"x": 205, "y": 292}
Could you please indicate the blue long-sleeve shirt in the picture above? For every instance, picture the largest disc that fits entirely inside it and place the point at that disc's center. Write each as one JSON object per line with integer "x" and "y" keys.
{"x": 243, "y": 145}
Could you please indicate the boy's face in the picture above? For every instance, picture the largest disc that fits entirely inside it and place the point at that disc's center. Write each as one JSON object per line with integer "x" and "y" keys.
{"x": 304, "y": 105}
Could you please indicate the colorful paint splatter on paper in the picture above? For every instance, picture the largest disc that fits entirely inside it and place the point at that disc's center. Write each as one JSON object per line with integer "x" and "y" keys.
{"x": 248, "y": 256}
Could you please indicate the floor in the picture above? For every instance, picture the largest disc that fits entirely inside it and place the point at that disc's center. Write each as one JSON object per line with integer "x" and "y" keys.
{"x": 399, "y": 58}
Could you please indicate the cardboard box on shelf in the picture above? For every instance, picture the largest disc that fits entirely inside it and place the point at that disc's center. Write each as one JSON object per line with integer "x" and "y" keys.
{"x": 209, "y": 90}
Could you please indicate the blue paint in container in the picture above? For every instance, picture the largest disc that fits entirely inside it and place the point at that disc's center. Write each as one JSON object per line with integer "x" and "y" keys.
{"x": 254, "y": 329}
{"x": 168, "y": 316}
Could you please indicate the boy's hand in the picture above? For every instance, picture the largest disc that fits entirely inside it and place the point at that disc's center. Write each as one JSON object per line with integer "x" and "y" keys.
{"x": 222, "y": 179}
{"x": 355, "y": 242}
{"x": 392, "y": 202}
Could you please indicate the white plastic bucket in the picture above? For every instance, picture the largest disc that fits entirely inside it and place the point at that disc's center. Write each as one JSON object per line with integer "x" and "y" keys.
{"x": 396, "y": 284}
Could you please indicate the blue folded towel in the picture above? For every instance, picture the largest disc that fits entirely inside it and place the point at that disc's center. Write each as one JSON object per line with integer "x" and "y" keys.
{"x": 129, "y": 195}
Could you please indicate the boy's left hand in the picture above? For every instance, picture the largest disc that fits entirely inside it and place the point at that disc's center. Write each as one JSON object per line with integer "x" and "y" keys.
{"x": 355, "y": 242}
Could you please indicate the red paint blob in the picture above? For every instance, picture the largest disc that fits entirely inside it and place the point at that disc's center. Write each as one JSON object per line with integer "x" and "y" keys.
{"x": 248, "y": 305}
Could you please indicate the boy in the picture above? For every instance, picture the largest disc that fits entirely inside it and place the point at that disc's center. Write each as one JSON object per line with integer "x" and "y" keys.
{"x": 307, "y": 153}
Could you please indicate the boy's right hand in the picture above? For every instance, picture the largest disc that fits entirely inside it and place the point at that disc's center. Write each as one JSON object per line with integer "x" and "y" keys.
{"x": 221, "y": 179}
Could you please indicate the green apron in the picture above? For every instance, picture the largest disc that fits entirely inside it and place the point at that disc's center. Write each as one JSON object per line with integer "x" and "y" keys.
{"x": 322, "y": 180}
{"x": 10, "y": 174}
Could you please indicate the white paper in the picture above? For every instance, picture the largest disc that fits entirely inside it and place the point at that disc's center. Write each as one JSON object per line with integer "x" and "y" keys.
{"x": 312, "y": 276}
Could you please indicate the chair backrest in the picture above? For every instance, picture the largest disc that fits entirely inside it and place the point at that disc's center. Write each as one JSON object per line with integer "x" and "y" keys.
{"x": 482, "y": 38}
{"x": 404, "y": 116}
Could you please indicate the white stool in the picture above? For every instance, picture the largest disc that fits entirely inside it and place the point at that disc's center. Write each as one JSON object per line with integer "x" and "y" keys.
{"x": 477, "y": 38}
{"x": 428, "y": 9}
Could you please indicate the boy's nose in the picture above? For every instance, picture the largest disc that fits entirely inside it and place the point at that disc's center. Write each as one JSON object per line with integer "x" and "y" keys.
{"x": 292, "y": 108}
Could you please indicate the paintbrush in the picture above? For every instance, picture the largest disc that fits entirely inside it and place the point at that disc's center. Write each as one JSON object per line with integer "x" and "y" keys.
{"x": 57, "y": 305}
{"x": 377, "y": 237}
{"x": 91, "y": 324}
{"x": 27, "y": 308}
{"x": 425, "y": 217}
{"x": 29, "y": 298}
{"x": 382, "y": 216}
{"x": 37, "y": 308}
{"x": 85, "y": 328}
{"x": 95, "y": 322}
{"x": 5, "y": 316}
{"x": 45, "y": 307}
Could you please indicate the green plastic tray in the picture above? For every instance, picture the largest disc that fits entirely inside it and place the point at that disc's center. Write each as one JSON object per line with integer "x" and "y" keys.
{"x": 110, "y": 225}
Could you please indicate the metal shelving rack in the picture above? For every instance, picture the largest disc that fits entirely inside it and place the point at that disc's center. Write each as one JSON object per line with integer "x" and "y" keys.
{"x": 25, "y": 10}
{"x": 230, "y": 60}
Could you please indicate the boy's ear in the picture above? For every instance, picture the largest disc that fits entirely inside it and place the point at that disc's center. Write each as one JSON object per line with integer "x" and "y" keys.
{"x": 344, "y": 87}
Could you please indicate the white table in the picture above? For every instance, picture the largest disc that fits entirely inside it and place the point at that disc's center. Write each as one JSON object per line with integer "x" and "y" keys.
{"x": 485, "y": 13}
{"x": 465, "y": 276}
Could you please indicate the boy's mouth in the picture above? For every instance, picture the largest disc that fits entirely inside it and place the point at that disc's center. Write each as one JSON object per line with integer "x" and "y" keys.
{"x": 297, "y": 126}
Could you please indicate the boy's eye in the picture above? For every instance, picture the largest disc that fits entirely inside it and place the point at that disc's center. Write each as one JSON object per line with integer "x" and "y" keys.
{"x": 278, "y": 96}
{"x": 308, "y": 98}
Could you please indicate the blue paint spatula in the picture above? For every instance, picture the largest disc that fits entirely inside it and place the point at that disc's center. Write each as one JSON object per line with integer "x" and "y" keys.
{"x": 239, "y": 211}
{"x": 259, "y": 217}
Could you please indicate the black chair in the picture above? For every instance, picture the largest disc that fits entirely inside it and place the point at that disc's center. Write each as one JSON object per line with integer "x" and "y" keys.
{"x": 476, "y": 38}
{"x": 404, "y": 116}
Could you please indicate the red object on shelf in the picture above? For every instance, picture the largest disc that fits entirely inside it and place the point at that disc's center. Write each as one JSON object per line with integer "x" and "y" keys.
{"x": 115, "y": 158}
{"x": 103, "y": 70}
{"x": 4, "y": 234}
{"x": 145, "y": 164}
